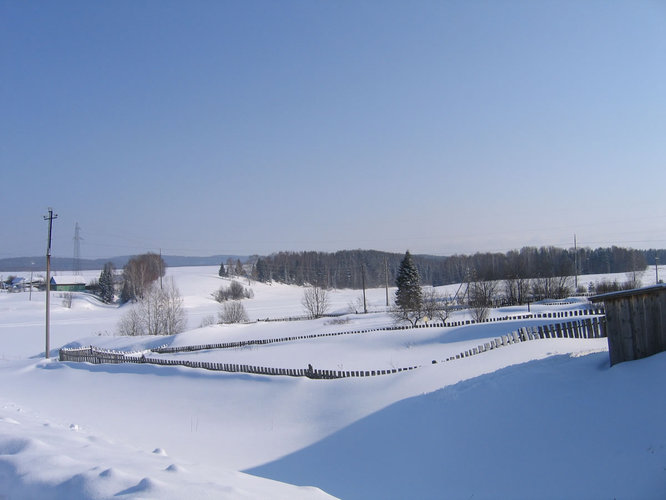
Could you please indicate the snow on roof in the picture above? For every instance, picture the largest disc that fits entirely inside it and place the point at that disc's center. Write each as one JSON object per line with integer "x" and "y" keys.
{"x": 64, "y": 279}
{"x": 627, "y": 293}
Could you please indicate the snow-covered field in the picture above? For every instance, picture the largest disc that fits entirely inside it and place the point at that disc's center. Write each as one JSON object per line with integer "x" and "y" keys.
{"x": 540, "y": 419}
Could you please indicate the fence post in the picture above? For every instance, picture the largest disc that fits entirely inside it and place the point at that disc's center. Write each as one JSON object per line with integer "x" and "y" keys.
{"x": 523, "y": 334}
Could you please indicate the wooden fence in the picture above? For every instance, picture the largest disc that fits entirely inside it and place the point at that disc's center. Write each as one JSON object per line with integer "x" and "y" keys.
{"x": 561, "y": 314}
{"x": 245, "y": 343}
{"x": 588, "y": 328}
{"x": 95, "y": 355}
{"x": 578, "y": 329}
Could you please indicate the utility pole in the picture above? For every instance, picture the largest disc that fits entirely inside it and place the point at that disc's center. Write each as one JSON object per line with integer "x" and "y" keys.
{"x": 365, "y": 307}
{"x": 76, "y": 264}
{"x": 32, "y": 266}
{"x": 49, "y": 218}
{"x": 386, "y": 276}
{"x": 656, "y": 270}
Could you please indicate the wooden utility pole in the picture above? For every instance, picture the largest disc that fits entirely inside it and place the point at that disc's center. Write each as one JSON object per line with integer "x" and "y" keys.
{"x": 656, "y": 270}
{"x": 365, "y": 307}
{"x": 49, "y": 218}
{"x": 386, "y": 276}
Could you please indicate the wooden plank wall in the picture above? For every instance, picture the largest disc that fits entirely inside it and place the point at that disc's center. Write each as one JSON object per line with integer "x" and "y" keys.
{"x": 636, "y": 326}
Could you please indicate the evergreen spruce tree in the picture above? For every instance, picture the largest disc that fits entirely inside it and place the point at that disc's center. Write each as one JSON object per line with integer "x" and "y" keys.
{"x": 261, "y": 270}
{"x": 106, "y": 289}
{"x": 239, "y": 271}
{"x": 222, "y": 272}
{"x": 409, "y": 296}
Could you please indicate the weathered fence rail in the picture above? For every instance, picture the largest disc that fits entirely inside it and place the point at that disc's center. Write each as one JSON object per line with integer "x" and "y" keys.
{"x": 578, "y": 329}
{"x": 449, "y": 324}
{"x": 588, "y": 328}
{"x": 561, "y": 302}
{"x": 95, "y": 355}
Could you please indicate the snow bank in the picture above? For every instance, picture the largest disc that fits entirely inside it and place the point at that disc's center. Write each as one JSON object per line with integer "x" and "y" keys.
{"x": 564, "y": 427}
{"x": 40, "y": 459}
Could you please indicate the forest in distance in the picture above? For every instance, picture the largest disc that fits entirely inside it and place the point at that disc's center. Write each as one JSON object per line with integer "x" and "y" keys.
{"x": 372, "y": 268}
{"x": 358, "y": 268}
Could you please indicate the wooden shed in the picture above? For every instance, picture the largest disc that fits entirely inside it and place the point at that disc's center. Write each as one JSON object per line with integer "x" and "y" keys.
{"x": 635, "y": 322}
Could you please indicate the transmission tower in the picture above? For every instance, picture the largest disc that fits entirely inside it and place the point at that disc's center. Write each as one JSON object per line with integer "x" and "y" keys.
{"x": 77, "y": 249}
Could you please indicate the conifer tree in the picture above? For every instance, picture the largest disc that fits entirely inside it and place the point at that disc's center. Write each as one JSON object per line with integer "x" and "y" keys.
{"x": 239, "y": 271}
{"x": 222, "y": 272}
{"x": 261, "y": 271}
{"x": 106, "y": 288}
{"x": 409, "y": 296}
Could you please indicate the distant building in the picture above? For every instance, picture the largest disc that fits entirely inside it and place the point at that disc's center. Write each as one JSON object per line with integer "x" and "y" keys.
{"x": 64, "y": 283}
{"x": 17, "y": 284}
{"x": 635, "y": 322}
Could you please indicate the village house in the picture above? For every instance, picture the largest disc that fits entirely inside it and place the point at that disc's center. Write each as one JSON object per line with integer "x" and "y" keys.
{"x": 65, "y": 283}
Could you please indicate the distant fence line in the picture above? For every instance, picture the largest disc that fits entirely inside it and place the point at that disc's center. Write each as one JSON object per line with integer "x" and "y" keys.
{"x": 298, "y": 318}
{"x": 581, "y": 329}
{"x": 246, "y": 343}
{"x": 559, "y": 314}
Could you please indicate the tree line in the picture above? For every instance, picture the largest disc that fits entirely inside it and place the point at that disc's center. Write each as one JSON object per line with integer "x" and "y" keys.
{"x": 358, "y": 268}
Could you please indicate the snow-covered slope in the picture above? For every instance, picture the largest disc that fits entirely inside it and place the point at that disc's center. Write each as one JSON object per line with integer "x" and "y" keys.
{"x": 564, "y": 427}
{"x": 541, "y": 419}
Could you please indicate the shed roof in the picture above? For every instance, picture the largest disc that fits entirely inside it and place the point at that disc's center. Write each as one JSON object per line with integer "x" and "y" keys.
{"x": 628, "y": 293}
{"x": 64, "y": 279}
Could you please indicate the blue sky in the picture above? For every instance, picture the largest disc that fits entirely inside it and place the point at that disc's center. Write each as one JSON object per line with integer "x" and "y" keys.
{"x": 212, "y": 127}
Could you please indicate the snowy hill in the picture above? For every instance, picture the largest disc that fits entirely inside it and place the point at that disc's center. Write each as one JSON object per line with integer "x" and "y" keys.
{"x": 540, "y": 419}
{"x": 564, "y": 427}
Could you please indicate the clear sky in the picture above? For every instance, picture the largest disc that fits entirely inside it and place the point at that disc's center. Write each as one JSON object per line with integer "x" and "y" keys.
{"x": 242, "y": 127}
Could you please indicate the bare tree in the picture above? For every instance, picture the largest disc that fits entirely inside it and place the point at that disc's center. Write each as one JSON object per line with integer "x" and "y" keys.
{"x": 232, "y": 312}
{"x": 634, "y": 279}
{"x": 435, "y": 305}
{"x": 481, "y": 297}
{"x": 139, "y": 273}
{"x": 551, "y": 287}
{"x": 235, "y": 291}
{"x": 516, "y": 281}
{"x": 516, "y": 290}
{"x": 175, "y": 319}
{"x": 207, "y": 321}
{"x": 131, "y": 324}
{"x": 67, "y": 300}
{"x": 159, "y": 312}
{"x": 315, "y": 301}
